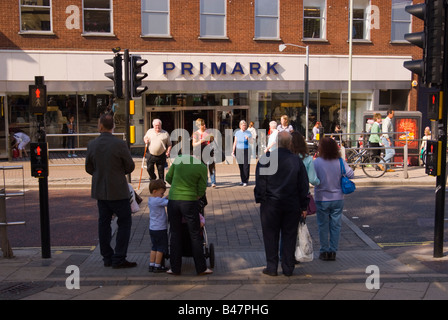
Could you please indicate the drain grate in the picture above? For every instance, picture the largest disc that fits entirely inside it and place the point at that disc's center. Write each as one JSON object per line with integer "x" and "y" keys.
{"x": 19, "y": 290}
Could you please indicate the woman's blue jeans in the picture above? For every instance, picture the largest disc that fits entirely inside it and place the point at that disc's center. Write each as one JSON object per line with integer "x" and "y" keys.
{"x": 329, "y": 214}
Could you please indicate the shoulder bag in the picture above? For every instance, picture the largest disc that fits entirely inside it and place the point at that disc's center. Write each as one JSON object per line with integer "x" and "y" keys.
{"x": 347, "y": 185}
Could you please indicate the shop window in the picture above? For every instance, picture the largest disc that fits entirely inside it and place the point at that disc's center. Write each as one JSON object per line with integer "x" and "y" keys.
{"x": 197, "y": 99}
{"x": 361, "y": 21}
{"x": 35, "y": 16}
{"x": 385, "y": 97}
{"x": 97, "y": 16}
{"x": 314, "y": 26}
{"x": 266, "y": 19}
{"x": 401, "y": 20}
{"x": 285, "y": 103}
{"x": 213, "y": 18}
{"x": 156, "y": 18}
{"x": 85, "y": 108}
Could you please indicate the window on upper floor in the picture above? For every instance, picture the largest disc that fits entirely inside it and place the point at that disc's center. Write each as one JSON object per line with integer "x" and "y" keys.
{"x": 35, "y": 16}
{"x": 314, "y": 22}
{"x": 267, "y": 20}
{"x": 401, "y": 20}
{"x": 97, "y": 15}
{"x": 213, "y": 19}
{"x": 156, "y": 18}
{"x": 361, "y": 20}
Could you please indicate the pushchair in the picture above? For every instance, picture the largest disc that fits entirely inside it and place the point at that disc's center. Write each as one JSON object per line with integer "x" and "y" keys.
{"x": 209, "y": 249}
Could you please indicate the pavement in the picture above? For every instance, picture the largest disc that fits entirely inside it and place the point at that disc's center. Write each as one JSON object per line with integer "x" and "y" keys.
{"x": 362, "y": 271}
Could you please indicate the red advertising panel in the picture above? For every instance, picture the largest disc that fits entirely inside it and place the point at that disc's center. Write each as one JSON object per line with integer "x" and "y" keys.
{"x": 407, "y": 125}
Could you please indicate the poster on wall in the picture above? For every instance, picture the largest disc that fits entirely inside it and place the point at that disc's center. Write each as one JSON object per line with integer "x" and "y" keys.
{"x": 407, "y": 125}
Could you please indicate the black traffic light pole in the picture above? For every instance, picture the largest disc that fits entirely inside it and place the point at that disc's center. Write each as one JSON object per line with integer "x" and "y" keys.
{"x": 44, "y": 207}
{"x": 433, "y": 70}
{"x": 39, "y": 110}
{"x": 442, "y": 137}
{"x": 127, "y": 98}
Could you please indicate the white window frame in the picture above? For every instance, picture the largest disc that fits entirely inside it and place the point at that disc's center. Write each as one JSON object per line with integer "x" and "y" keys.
{"x": 322, "y": 5}
{"x": 257, "y": 20}
{"x": 168, "y": 17}
{"x": 33, "y": 4}
{"x": 205, "y": 14}
{"x": 364, "y": 5}
{"x": 409, "y": 22}
{"x": 111, "y": 13}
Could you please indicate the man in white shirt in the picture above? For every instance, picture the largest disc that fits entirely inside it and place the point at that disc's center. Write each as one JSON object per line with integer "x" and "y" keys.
{"x": 159, "y": 147}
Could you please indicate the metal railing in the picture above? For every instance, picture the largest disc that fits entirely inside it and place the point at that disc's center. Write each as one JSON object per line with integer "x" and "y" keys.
{"x": 4, "y": 223}
{"x": 365, "y": 140}
{"x": 93, "y": 134}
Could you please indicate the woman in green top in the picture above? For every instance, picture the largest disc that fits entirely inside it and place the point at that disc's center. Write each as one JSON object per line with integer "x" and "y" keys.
{"x": 374, "y": 139}
{"x": 188, "y": 179}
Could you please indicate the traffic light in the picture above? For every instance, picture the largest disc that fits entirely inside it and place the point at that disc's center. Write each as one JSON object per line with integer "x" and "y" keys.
{"x": 137, "y": 76}
{"x": 39, "y": 159}
{"x": 116, "y": 76}
{"x": 435, "y": 105}
{"x": 433, "y": 158}
{"x": 431, "y": 40}
{"x": 38, "y": 99}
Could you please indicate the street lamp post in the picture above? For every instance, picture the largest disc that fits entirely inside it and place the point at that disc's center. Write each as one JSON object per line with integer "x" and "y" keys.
{"x": 282, "y": 47}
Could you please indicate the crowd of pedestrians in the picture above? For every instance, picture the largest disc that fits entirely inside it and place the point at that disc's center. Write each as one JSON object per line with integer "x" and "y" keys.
{"x": 283, "y": 193}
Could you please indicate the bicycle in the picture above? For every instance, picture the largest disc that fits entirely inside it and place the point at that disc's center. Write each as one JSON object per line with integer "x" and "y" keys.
{"x": 372, "y": 165}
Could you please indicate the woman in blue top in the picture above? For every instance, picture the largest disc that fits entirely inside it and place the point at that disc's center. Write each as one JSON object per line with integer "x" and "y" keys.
{"x": 241, "y": 151}
{"x": 329, "y": 197}
{"x": 299, "y": 147}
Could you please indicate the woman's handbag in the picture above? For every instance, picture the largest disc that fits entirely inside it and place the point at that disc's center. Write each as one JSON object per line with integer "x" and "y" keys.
{"x": 347, "y": 185}
{"x": 311, "y": 209}
{"x": 304, "y": 250}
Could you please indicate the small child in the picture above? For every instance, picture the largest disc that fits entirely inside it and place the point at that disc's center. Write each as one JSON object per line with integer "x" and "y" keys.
{"x": 158, "y": 225}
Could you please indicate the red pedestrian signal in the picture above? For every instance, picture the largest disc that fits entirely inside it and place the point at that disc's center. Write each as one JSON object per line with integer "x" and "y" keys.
{"x": 435, "y": 104}
{"x": 39, "y": 159}
{"x": 38, "y": 99}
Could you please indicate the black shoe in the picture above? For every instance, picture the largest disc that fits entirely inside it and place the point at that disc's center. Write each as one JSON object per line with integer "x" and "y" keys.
{"x": 270, "y": 273}
{"x": 324, "y": 256}
{"x": 160, "y": 269}
{"x": 124, "y": 264}
{"x": 151, "y": 269}
{"x": 332, "y": 256}
{"x": 107, "y": 264}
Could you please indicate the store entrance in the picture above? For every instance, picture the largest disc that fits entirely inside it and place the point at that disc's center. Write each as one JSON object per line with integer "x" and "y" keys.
{"x": 219, "y": 118}
{"x": 190, "y": 117}
{"x": 228, "y": 118}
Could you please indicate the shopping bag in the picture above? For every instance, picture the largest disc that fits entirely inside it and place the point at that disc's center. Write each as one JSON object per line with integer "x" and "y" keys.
{"x": 134, "y": 205}
{"x": 304, "y": 249}
{"x": 311, "y": 209}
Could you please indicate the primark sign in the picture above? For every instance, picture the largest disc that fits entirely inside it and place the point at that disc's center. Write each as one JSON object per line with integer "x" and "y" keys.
{"x": 221, "y": 68}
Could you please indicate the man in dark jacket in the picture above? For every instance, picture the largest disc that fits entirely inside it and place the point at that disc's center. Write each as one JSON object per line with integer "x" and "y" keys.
{"x": 108, "y": 160}
{"x": 281, "y": 188}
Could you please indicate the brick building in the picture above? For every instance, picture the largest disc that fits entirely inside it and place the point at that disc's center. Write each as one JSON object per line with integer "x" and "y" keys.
{"x": 214, "y": 59}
